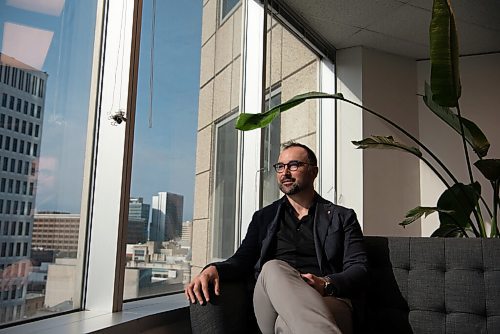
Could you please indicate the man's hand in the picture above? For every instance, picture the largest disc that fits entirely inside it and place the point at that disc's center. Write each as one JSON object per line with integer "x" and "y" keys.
{"x": 198, "y": 288}
{"x": 318, "y": 283}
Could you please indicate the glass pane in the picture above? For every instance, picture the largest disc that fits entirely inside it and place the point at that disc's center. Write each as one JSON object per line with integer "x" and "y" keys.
{"x": 271, "y": 150}
{"x": 45, "y": 72}
{"x": 225, "y": 189}
{"x": 226, "y": 7}
{"x": 163, "y": 166}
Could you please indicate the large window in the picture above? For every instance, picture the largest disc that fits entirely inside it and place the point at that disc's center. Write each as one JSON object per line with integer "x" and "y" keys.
{"x": 47, "y": 51}
{"x": 225, "y": 222}
{"x": 160, "y": 215}
{"x": 117, "y": 157}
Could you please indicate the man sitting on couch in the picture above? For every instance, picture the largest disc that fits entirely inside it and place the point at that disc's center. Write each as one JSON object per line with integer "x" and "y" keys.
{"x": 306, "y": 253}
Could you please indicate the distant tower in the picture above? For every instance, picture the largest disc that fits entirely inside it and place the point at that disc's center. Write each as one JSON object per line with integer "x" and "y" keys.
{"x": 138, "y": 218}
{"x": 22, "y": 100}
{"x": 187, "y": 234}
{"x": 166, "y": 216}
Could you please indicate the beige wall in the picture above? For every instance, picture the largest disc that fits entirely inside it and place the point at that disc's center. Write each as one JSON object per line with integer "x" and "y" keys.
{"x": 381, "y": 185}
{"x": 296, "y": 68}
{"x": 219, "y": 95}
{"x": 391, "y": 178}
{"x": 479, "y": 103}
{"x": 290, "y": 63}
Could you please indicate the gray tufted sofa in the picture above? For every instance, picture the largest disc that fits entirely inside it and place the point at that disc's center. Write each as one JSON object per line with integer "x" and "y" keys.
{"x": 418, "y": 285}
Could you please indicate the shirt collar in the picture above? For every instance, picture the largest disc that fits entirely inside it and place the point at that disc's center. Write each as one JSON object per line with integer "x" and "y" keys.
{"x": 311, "y": 211}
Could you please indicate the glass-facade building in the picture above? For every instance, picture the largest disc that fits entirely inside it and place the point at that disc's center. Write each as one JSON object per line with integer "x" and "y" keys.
{"x": 22, "y": 90}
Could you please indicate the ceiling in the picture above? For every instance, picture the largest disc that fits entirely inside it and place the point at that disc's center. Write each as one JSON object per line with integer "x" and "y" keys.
{"x": 399, "y": 26}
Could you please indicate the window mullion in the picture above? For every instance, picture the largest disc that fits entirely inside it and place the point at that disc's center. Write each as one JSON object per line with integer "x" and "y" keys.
{"x": 252, "y": 97}
{"x": 327, "y": 128}
{"x": 104, "y": 288}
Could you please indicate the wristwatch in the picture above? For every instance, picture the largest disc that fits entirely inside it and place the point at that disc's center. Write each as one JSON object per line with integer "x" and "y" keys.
{"x": 329, "y": 287}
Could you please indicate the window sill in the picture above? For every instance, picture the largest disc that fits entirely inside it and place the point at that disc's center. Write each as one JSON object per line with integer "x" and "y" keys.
{"x": 135, "y": 317}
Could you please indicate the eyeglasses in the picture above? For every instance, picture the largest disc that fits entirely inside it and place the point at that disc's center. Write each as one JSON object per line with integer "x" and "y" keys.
{"x": 292, "y": 166}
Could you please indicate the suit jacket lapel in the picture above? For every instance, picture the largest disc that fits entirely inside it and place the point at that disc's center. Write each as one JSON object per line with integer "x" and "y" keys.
{"x": 322, "y": 220}
{"x": 271, "y": 232}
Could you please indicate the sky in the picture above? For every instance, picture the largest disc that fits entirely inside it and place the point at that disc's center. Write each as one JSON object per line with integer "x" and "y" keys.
{"x": 61, "y": 33}
{"x": 165, "y": 154}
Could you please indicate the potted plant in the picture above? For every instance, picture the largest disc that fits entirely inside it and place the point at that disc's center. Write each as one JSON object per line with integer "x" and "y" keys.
{"x": 460, "y": 207}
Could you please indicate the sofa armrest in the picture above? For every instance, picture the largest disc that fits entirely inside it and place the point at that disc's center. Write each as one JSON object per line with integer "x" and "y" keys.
{"x": 231, "y": 312}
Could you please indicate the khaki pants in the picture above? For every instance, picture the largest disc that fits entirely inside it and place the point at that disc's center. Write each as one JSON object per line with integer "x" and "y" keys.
{"x": 285, "y": 303}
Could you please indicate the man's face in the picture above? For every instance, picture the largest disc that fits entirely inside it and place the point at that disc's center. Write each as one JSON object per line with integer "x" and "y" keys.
{"x": 293, "y": 182}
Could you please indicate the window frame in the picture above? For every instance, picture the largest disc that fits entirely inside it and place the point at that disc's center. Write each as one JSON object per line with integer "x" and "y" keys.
{"x": 110, "y": 169}
{"x": 223, "y": 18}
{"x": 217, "y": 124}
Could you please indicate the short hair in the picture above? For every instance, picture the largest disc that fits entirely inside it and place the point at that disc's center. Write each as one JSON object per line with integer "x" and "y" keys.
{"x": 310, "y": 154}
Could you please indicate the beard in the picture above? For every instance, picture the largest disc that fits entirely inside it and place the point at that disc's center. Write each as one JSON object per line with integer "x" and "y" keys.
{"x": 293, "y": 189}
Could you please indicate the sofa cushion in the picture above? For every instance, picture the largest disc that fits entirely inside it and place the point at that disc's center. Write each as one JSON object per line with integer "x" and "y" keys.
{"x": 431, "y": 285}
{"x": 418, "y": 285}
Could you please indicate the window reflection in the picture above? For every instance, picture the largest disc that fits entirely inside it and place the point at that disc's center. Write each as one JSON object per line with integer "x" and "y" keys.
{"x": 44, "y": 89}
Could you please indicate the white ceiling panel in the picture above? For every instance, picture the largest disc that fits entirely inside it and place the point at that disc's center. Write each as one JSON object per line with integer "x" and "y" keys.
{"x": 388, "y": 44}
{"x": 485, "y": 13}
{"x": 475, "y": 39}
{"x": 406, "y": 23}
{"x": 399, "y": 26}
{"x": 356, "y": 13}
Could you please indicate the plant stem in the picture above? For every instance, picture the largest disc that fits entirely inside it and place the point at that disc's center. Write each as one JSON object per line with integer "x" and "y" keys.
{"x": 486, "y": 206}
{"x": 480, "y": 221}
{"x": 426, "y": 149}
{"x": 406, "y": 133}
{"x": 466, "y": 151}
{"x": 494, "y": 223}
{"x": 428, "y": 165}
{"x": 481, "y": 226}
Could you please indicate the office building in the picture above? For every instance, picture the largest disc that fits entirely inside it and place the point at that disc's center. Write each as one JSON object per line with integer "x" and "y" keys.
{"x": 57, "y": 232}
{"x": 138, "y": 218}
{"x": 138, "y": 209}
{"x": 166, "y": 216}
{"x": 22, "y": 100}
{"x": 187, "y": 234}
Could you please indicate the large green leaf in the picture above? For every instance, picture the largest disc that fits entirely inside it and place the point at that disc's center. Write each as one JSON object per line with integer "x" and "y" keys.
{"x": 381, "y": 142}
{"x": 458, "y": 202}
{"x": 445, "y": 76}
{"x": 418, "y": 212}
{"x": 490, "y": 168}
{"x": 473, "y": 134}
{"x": 249, "y": 121}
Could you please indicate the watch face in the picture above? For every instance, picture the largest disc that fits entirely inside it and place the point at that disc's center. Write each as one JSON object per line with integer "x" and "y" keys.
{"x": 330, "y": 289}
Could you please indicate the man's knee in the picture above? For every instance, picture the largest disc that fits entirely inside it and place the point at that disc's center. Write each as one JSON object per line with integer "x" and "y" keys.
{"x": 273, "y": 267}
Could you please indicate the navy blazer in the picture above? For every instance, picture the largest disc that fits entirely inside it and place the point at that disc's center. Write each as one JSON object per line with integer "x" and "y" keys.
{"x": 337, "y": 238}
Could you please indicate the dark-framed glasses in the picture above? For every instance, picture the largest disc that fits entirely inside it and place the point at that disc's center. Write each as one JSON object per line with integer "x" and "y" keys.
{"x": 292, "y": 166}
